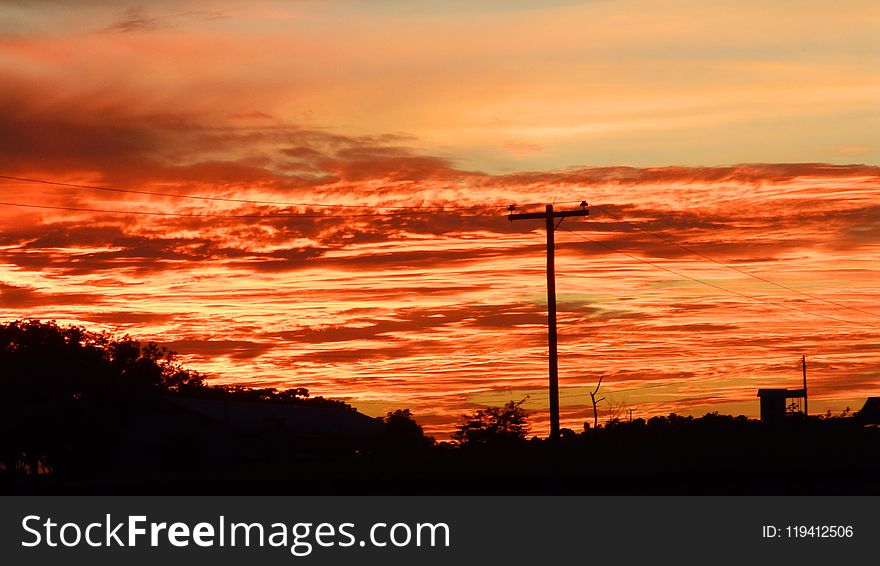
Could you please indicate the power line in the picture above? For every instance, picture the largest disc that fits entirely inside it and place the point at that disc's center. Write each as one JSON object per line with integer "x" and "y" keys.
{"x": 630, "y": 388}
{"x": 733, "y": 267}
{"x": 318, "y": 216}
{"x": 725, "y": 289}
{"x": 579, "y": 395}
{"x": 213, "y": 215}
{"x": 247, "y": 201}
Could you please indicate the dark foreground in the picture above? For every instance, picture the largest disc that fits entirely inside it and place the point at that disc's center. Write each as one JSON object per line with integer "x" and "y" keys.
{"x": 713, "y": 455}
{"x": 87, "y": 413}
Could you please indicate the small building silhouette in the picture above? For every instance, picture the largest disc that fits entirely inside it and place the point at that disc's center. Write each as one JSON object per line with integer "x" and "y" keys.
{"x": 775, "y": 401}
{"x": 870, "y": 413}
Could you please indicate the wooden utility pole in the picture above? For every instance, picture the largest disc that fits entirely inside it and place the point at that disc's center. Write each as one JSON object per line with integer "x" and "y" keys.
{"x": 549, "y": 216}
{"x": 804, "y": 367}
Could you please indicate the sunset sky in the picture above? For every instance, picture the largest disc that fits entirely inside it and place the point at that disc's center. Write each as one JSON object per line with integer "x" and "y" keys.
{"x": 383, "y": 141}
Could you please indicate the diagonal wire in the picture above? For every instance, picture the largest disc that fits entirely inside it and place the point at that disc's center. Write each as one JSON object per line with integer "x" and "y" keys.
{"x": 719, "y": 287}
{"x": 213, "y": 215}
{"x": 733, "y": 267}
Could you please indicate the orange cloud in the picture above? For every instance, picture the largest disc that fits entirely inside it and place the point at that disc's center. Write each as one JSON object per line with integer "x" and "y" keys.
{"x": 439, "y": 307}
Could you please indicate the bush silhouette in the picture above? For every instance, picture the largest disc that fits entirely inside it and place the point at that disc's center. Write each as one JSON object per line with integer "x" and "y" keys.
{"x": 494, "y": 426}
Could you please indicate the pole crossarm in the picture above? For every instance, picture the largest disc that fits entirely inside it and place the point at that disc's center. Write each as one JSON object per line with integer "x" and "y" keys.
{"x": 543, "y": 215}
{"x": 549, "y": 215}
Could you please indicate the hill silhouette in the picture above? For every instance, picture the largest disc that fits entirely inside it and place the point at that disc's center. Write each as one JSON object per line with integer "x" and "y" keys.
{"x": 77, "y": 403}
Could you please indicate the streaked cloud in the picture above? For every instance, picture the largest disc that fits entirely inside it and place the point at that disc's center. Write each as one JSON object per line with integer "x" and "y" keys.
{"x": 420, "y": 126}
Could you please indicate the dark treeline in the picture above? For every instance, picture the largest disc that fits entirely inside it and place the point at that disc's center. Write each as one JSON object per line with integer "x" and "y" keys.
{"x": 713, "y": 454}
{"x": 72, "y": 400}
{"x": 85, "y": 412}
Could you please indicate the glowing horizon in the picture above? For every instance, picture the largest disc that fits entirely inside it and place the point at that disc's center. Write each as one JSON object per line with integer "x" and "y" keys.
{"x": 764, "y": 115}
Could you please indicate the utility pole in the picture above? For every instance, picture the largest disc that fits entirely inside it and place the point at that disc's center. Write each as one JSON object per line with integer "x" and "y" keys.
{"x": 804, "y": 367}
{"x": 549, "y": 216}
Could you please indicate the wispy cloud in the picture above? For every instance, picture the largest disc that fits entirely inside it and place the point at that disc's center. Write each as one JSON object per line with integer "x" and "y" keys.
{"x": 441, "y": 310}
{"x": 134, "y": 19}
{"x": 139, "y": 19}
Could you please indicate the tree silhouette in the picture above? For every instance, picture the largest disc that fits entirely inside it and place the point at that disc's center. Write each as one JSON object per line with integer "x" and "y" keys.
{"x": 70, "y": 398}
{"x": 401, "y": 433}
{"x": 292, "y": 396}
{"x": 616, "y": 410}
{"x": 595, "y": 402}
{"x": 494, "y": 426}
{"x": 67, "y": 392}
